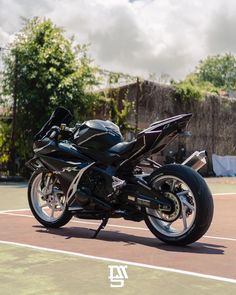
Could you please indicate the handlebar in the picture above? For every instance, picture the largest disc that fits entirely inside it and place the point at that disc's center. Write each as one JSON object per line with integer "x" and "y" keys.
{"x": 62, "y": 132}
{"x": 54, "y": 132}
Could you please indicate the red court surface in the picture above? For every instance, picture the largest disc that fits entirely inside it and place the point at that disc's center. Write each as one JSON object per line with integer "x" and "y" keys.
{"x": 214, "y": 254}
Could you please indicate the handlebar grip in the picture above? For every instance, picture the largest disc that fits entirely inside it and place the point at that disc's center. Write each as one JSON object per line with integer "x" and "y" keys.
{"x": 53, "y": 134}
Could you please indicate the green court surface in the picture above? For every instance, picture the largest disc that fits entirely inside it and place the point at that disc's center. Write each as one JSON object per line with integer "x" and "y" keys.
{"x": 13, "y": 196}
{"x": 222, "y": 184}
{"x": 217, "y": 188}
{"x": 30, "y": 271}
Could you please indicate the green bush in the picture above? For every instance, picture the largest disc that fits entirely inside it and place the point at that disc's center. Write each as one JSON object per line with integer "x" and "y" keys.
{"x": 192, "y": 88}
{"x": 187, "y": 92}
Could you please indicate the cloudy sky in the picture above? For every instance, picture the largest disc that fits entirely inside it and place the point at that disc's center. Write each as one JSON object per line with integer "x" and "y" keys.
{"x": 136, "y": 36}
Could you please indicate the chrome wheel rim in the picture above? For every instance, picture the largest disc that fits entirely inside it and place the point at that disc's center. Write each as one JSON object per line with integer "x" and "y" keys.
{"x": 48, "y": 202}
{"x": 187, "y": 201}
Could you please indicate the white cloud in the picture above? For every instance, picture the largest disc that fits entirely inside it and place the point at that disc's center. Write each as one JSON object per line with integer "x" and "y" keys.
{"x": 136, "y": 36}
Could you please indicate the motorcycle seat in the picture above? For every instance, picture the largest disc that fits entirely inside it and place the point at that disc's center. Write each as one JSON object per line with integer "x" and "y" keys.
{"x": 122, "y": 147}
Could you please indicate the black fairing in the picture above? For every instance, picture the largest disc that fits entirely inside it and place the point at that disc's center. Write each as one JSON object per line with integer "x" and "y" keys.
{"x": 102, "y": 142}
{"x": 98, "y": 135}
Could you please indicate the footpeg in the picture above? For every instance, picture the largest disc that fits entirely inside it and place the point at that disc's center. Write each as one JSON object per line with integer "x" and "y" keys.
{"x": 117, "y": 183}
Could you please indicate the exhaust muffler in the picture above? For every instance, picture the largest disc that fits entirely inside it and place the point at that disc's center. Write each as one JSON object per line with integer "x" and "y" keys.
{"x": 197, "y": 160}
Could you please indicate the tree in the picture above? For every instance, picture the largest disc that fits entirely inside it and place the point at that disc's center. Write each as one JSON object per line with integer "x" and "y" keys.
{"x": 220, "y": 70}
{"x": 43, "y": 69}
{"x": 4, "y": 144}
{"x": 120, "y": 117}
{"x": 213, "y": 74}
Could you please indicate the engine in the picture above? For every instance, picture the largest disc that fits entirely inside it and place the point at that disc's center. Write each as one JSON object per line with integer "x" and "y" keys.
{"x": 93, "y": 184}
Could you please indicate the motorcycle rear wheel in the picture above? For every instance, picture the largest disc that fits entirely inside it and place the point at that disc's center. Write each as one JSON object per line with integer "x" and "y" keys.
{"x": 193, "y": 204}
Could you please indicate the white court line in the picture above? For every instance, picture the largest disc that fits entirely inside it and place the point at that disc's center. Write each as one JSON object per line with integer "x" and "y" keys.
{"x": 167, "y": 269}
{"x": 220, "y": 238}
{"x": 119, "y": 226}
{"x": 83, "y": 222}
{"x": 14, "y": 214}
{"x": 14, "y": 210}
{"x": 224, "y": 194}
{"x": 27, "y": 209}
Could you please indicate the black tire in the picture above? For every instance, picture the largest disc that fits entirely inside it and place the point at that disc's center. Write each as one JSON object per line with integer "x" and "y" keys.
{"x": 61, "y": 221}
{"x": 203, "y": 199}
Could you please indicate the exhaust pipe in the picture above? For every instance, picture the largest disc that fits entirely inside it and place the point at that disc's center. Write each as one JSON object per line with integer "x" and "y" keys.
{"x": 196, "y": 161}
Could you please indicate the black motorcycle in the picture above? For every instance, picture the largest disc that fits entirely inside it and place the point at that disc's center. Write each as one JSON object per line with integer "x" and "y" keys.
{"x": 90, "y": 172}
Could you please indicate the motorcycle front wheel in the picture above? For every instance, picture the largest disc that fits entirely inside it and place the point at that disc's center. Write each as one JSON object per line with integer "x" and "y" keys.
{"x": 47, "y": 201}
{"x": 192, "y": 201}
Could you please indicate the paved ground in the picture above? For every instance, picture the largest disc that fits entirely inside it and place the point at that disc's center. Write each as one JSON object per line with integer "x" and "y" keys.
{"x": 59, "y": 266}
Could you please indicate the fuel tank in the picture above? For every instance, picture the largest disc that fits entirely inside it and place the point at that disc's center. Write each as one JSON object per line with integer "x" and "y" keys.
{"x": 97, "y": 134}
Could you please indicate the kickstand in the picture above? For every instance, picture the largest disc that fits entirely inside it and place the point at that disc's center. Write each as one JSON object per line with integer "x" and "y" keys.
{"x": 101, "y": 226}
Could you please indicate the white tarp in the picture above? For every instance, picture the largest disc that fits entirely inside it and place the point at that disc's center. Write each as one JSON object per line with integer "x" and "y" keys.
{"x": 224, "y": 165}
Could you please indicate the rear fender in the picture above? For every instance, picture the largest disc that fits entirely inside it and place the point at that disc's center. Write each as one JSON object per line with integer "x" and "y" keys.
{"x": 161, "y": 133}
{"x": 156, "y": 137}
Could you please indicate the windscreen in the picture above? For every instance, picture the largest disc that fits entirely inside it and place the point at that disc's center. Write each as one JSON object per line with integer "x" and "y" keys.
{"x": 59, "y": 116}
